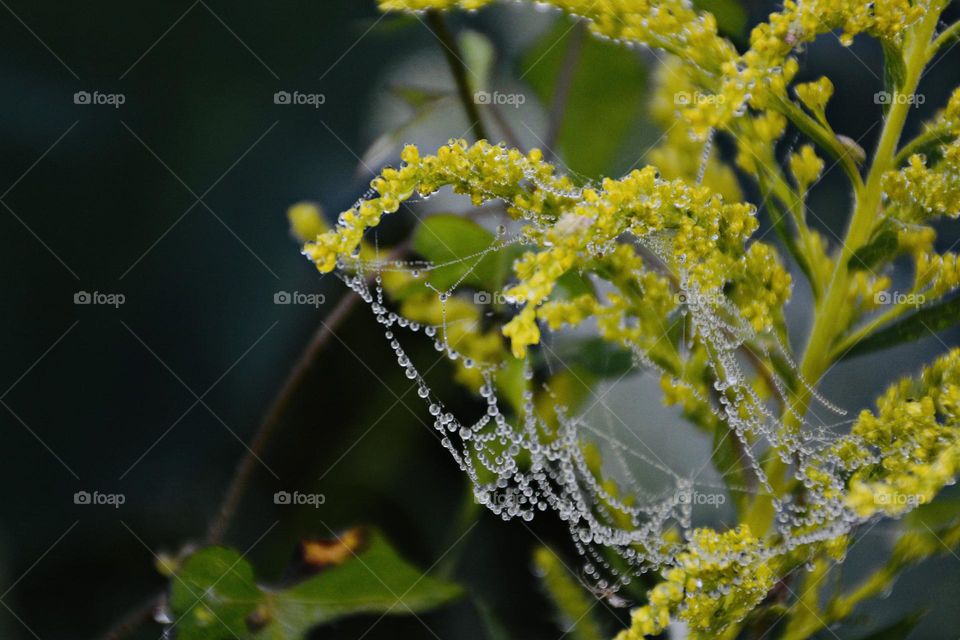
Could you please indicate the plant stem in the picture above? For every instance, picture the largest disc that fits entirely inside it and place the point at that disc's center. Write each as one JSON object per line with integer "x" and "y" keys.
{"x": 271, "y": 419}
{"x": 561, "y": 93}
{"x": 825, "y": 139}
{"x": 925, "y": 139}
{"x": 816, "y": 356}
{"x": 458, "y": 68}
{"x": 132, "y": 620}
{"x": 949, "y": 34}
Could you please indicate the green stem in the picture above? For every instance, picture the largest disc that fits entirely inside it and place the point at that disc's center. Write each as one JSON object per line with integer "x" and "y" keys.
{"x": 816, "y": 357}
{"x": 866, "y": 330}
{"x": 451, "y": 50}
{"x": 950, "y": 34}
{"x": 825, "y": 139}
{"x": 927, "y": 138}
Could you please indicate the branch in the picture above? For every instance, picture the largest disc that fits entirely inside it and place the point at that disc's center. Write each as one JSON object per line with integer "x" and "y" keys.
{"x": 132, "y": 620}
{"x": 950, "y": 34}
{"x": 824, "y": 138}
{"x": 271, "y": 418}
{"x": 451, "y": 51}
{"x": 278, "y": 407}
{"x": 561, "y": 93}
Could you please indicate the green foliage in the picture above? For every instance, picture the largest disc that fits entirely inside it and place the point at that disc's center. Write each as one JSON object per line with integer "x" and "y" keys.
{"x": 214, "y": 595}
{"x": 602, "y": 68}
{"x": 920, "y": 324}
{"x": 462, "y": 248}
{"x": 573, "y": 604}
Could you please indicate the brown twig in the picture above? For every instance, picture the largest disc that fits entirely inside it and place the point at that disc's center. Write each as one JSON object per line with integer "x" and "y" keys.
{"x": 271, "y": 419}
{"x": 134, "y": 618}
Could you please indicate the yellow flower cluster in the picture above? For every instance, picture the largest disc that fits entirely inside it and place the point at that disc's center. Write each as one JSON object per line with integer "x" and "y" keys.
{"x": 922, "y": 190}
{"x": 915, "y": 435}
{"x": 815, "y": 96}
{"x": 706, "y": 237}
{"x": 764, "y": 289}
{"x": 732, "y": 80}
{"x": 716, "y": 581}
{"x": 680, "y": 155}
{"x": 806, "y": 167}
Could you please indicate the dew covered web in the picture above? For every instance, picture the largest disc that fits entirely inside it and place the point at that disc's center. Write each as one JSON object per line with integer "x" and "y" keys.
{"x": 624, "y": 513}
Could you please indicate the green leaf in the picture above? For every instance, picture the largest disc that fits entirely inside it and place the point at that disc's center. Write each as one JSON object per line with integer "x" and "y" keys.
{"x": 595, "y": 355}
{"x": 603, "y": 69}
{"x": 926, "y": 320}
{"x": 459, "y": 243}
{"x": 871, "y": 255}
{"x": 512, "y": 384}
{"x": 570, "y": 599}
{"x": 936, "y": 515}
{"x": 214, "y": 595}
{"x": 726, "y": 460}
{"x": 570, "y": 285}
{"x": 378, "y": 581}
{"x": 417, "y": 97}
{"x": 478, "y": 54}
{"x": 899, "y": 629}
{"x": 731, "y": 17}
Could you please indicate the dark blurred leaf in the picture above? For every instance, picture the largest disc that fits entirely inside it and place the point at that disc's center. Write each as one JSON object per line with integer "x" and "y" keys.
{"x": 726, "y": 459}
{"x": 935, "y": 515}
{"x": 573, "y": 602}
{"x": 570, "y": 285}
{"x": 730, "y": 14}
{"x": 569, "y": 388}
{"x": 606, "y": 96}
{"x": 478, "y": 55}
{"x": 459, "y": 243}
{"x": 923, "y": 322}
{"x": 869, "y": 256}
{"x": 511, "y": 383}
{"x": 594, "y": 355}
{"x": 214, "y": 595}
{"x": 417, "y": 97}
{"x": 899, "y": 629}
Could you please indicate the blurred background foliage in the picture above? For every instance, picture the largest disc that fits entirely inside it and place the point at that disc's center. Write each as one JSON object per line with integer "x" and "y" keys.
{"x": 113, "y": 206}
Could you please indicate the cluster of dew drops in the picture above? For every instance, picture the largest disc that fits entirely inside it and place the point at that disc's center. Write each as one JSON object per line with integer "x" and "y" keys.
{"x": 555, "y": 475}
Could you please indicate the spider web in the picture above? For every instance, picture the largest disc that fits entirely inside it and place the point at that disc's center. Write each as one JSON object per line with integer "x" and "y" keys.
{"x": 623, "y": 516}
